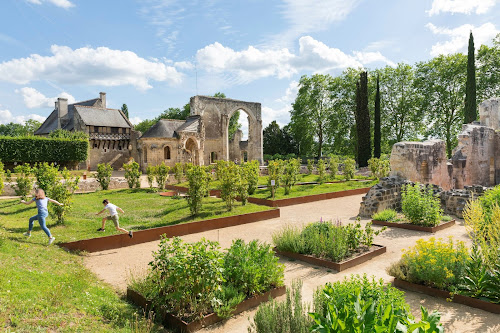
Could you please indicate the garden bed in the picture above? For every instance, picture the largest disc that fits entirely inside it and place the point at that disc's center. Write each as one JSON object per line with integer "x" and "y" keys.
{"x": 409, "y": 226}
{"x": 153, "y": 234}
{"x": 460, "y": 299}
{"x": 352, "y": 261}
{"x": 171, "y": 321}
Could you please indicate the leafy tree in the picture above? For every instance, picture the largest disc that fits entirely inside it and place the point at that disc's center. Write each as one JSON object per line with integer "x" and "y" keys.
{"x": 470, "y": 113}
{"x": 363, "y": 121}
{"x": 196, "y": 176}
{"x": 161, "y": 175}
{"x": 291, "y": 169}
{"x": 442, "y": 81}
{"x": 312, "y": 108}
{"x": 125, "y": 110}
{"x": 376, "y": 128}
{"x": 144, "y": 125}
{"x": 349, "y": 168}
{"x": 63, "y": 191}
{"x": 46, "y": 175}
{"x": 242, "y": 183}
{"x": 1, "y": 177}
{"x": 31, "y": 125}
{"x": 229, "y": 177}
{"x": 278, "y": 140}
{"x": 488, "y": 70}
{"x": 103, "y": 175}
{"x": 252, "y": 173}
{"x": 321, "y": 170}
{"x": 133, "y": 174}
{"x": 178, "y": 172}
{"x": 151, "y": 175}
{"x": 24, "y": 182}
{"x": 14, "y": 129}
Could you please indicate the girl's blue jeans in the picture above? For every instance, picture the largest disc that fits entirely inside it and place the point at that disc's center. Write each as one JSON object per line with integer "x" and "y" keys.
{"x": 41, "y": 216}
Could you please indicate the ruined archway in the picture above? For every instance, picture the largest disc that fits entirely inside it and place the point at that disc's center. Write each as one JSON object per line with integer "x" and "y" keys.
{"x": 191, "y": 151}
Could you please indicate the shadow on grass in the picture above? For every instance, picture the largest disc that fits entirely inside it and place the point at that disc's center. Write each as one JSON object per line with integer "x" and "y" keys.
{"x": 20, "y": 210}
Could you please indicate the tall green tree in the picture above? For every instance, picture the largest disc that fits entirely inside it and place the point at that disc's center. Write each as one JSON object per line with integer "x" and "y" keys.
{"x": 470, "y": 113}
{"x": 376, "y": 130}
{"x": 15, "y": 129}
{"x": 442, "y": 81}
{"x": 364, "y": 149}
{"x": 312, "y": 108}
{"x": 488, "y": 70}
{"x": 125, "y": 110}
{"x": 278, "y": 140}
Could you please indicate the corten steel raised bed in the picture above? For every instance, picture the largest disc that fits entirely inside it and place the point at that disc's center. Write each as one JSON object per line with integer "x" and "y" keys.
{"x": 460, "y": 299}
{"x": 410, "y": 226}
{"x": 168, "y": 194}
{"x": 375, "y": 251}
{"x": 307, "y": 198}
{"x": 149, "y": 235}
{"x": 180, "y": 325}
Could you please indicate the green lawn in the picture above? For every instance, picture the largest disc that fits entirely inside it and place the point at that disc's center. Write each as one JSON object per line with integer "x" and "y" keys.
{"x": 303, "y": 190}
{"x": 143, "y": 210}
{"x": 45, "y": 289}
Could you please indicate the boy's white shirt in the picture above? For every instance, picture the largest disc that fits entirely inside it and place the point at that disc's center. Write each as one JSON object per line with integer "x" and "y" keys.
{"x": 112, "y": 209}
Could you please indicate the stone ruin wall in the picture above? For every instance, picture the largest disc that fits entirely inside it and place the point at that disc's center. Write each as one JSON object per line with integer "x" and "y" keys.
{"x": 387, "y": 195}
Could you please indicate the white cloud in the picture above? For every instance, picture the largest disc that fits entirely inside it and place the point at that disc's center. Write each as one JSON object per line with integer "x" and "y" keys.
{"x": 461, "y": 6}
{"x": 135, "y": 120}
{"x": 281, "y": 113}
{"x": 7, "y": 117}
{"x": 304, "y": 17}
{"x": 59, "y": 3}
{"x": 34, "y": 99}
{"x": 253, "y": 63}
{"x": 184, "y": 65}
{"x": 459, "y": 37}
{"x": 92, "y": 66}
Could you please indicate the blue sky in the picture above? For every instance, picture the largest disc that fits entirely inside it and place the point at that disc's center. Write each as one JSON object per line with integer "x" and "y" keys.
{"x": 155, "y": 54}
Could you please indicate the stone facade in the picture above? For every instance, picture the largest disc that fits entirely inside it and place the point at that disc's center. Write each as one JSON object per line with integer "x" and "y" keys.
{"x": 475, "y": 160}
{"x": 387, "y": 195}
{"x": 204, "y": 137}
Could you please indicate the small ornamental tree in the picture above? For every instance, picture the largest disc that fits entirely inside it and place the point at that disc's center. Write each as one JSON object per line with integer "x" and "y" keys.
{"x": 349, "y": 168}
{"x": 178, "y": 172}
{"x": 290, "y": 174}
{"x": 208, "y": 179}
{"x": 161, "y": 174}
{"x": 24, "y": 182}
{"x": 373, "y": 164}
{"x": 62, "y": 191}
{"x": 151, "y": 174}
{"x": 333, "y": 165}
{"x": 242, "y": 183}
{"x": 228, "y": 183}
{"x": 274, "y": 170}
{"x": 321, "y": 170}
{"x": 310, "y": 166}
{"x": 219, "y": 164}
{"x": 379, "y": 167}
{"x": 1, "y": 177}
{"x": 104, "y": 172}
{"x": 133, "y": 174}
{"x": 252, "y": 174}
{"x": 46, "y": 175}
{"x": 196, "y": 176}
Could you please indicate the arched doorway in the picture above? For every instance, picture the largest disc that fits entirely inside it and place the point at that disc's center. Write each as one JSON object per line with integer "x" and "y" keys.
{"x": 191, "y": 151}
{"x": 239, "y": 135}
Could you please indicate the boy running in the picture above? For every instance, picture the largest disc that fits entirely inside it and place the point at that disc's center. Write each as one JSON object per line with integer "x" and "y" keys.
{"x": 113, "y": 215}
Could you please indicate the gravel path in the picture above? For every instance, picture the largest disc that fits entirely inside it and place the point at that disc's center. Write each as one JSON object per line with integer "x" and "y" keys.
{"x": 116, "y": 266}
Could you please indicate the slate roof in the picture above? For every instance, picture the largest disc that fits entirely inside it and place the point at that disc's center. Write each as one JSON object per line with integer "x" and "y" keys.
{"x": 191, "y": 124}
{"x": 164, "y": 128}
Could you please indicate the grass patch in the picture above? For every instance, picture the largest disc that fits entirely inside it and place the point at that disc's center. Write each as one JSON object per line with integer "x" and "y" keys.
{"x": 143, "y": 210}
{"x": 388, "y": 215}
{"x": 47, "y": 289}
{"x": 303, "y": 190}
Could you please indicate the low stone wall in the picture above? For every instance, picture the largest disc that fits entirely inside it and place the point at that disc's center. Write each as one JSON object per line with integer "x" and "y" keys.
{"x": 387, "y": 195}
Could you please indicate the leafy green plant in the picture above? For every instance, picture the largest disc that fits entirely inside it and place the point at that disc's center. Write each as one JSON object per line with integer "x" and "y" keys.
{"x": 151, "y": 175}
{"x": 321, "y": 170}
{"x": 1, "y": 177}
{"x": 178, "y": 172}
{"x": 283, "y": 316}
{"x": 252, "y": 173}
{"x": 252, "y": 268}
{"x": 349, "y": 168}
{"x": 386, "y": 215}
{"x": 228, "y": 176}
{"x": 133, "y": 174}
{"x": 103, "y": 175}
{"x": 310, "y": 166}
{"x": 433, "y": 263}
{"x": 242, "y": 184}
{"x": 196, "y": 176}
{"x": 333, "y": 166}
{"x": 161, "y": 175}
{"x": 420, "y": 206}
{"x": 63, "y": 191}
{"x": 208, "y": 179}
{"x": 46, "y": 175}
{"x": 24, "y": 182}
{"x": 290, "y": 174}
{"x": 274, "y": 171}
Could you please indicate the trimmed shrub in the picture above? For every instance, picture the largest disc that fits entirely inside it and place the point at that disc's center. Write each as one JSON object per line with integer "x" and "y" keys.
{"x": 24, "y": 182}
{"x": 379, "y": 168}
{"x": 62, "y": 191}
{"x": 46, "y": 175}
{"x": 103, "y": 175}
{"x": 252, "y": 173}
{"x": 161, "y": 174}
{"x": 228, "y": 177}
{"x": 275, "y": 170}
{"x": 242, "y": 184}
{"x": 178, "y": 172}
{"x": 333, "y": 165}
{"x": 310, "y": 166}
{"x": 196, "y": 176}
{"x": 290, "y": 174}
{"x": 151, "y": 175}
{"x": 349, "y": 168}
{"x": 39, "y": 149}
{"x": 133, "y": 174}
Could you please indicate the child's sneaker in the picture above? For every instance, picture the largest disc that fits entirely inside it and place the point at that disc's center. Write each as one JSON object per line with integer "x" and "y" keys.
{"x": 130, "y": 234}
{"x": 100, "y": 229}
{"x": 51, "y": 240}
{"x": 27, "y": 234}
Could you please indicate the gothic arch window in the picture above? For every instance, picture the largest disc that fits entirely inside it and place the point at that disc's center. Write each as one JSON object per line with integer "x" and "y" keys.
{"x": 213, "y": 157}
{"x": 166, "y": 152}
{"x": 145, "y": 154}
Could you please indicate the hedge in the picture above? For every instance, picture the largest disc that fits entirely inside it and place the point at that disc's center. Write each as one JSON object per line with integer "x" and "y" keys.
{"x": 41, "y": 149}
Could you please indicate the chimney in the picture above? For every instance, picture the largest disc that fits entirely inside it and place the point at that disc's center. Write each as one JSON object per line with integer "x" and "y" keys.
{"x": 102, "y": 96}
{"x": 62, "y": 109}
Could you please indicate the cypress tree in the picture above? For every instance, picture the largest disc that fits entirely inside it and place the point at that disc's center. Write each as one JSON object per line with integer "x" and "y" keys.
{"x": 470, "y": 88}
{"x": 363, "y": 120}
{"x": 125, "y": 110}
{"x": 377, "y": 137}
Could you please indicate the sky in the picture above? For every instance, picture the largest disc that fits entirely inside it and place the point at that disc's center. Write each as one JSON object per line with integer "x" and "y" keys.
{"x": 156, "y": 54}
